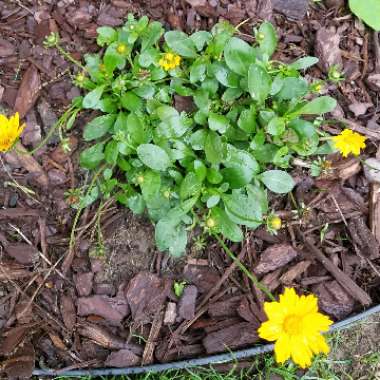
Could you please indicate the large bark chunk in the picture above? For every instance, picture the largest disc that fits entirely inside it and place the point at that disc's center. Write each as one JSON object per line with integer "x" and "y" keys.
{"x": 275, "y": 257}
{"x": 146, "y": 294}
{"x": 239, "y": 335}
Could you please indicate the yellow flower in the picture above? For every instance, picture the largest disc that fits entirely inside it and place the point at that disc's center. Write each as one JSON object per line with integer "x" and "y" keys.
{"x": 10, "y": 131}
{"x": 169, "y": 61}
{"x": 274, "y": 222}
{"x": 349, "y": 142}
{"x": 295, "y": 324}
{"x": 121, "y": 48}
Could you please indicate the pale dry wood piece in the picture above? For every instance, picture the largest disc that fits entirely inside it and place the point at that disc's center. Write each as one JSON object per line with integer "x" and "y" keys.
{"x": 12, "y": 271}
{"x": 170, "y": 313}
{"x": 100, "y": 335}
{"x": 345, "y": 281}
{"x": 148, "y": 355}
{"x": 374, "y": 209}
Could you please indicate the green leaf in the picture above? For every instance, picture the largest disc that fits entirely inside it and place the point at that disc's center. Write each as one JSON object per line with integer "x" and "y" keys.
{"x": 318, "y": 106}
{"x": 292, "y": 88}
{"x": 218, "y": 122}
{"x": 106, "y": 35}
{"x": 91, "y": 157}
{"x": 198, "y": 139}
{"x": 171, "y": 235}
{"x": 153, "y": 156}
{"x": 308, "y": 138}
{"x": 136, "y": 129}
{"x": 131, "y": 101}
{"x": 259, "y": 83}
{"x": 190, "y": 186}
{"x": 238, "y": 55}
{"x": 368, "y": 11}
{"x": 151, "y": 35}
{"x": 200, "y": 39}
{"x": 240, "y": 168}
{"x": 111, "y": 152}
{"x": 303, "y": 63}
{"x": 91, "y": 100}
{"x": 214, "y": 176}
{"x": 98, "y": 127}
{"x": 151, "y": 185}
{"x": 225, "y": 225}
{"x": 226, "y": 77}
{"x": 276, "y": 126}
{"x": 247, "y": 120}
{"x": 277, "y": 181}
{"x": 200, "y": 170}
{"x": 181, "y": 44}
{"x": 198, "y": 71}
{"x": 244, "y": 209}
{"x": 268, "y": 43}
{"x": 113, "y": 59}
{"x": 213, "y": 201}
{"x": 136, "y": 204}
{"x": 215, "y": 149}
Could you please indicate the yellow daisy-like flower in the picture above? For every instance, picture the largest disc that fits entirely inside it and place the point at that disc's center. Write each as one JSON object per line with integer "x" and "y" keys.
{"x": 10, "y": 131}
{"x": 169, "y": 61}
{"x": 295, "y": 324}
{"x": 349, "y": 142}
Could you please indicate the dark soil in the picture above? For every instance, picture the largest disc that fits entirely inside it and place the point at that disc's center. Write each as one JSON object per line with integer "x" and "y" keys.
{"x": 112, "y": 303}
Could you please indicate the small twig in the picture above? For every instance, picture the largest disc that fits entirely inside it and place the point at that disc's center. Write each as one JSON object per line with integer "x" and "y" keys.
{"x": 358, "y": 128}
{"x": 339, "y": 209}
{"x": 376, "y": 44}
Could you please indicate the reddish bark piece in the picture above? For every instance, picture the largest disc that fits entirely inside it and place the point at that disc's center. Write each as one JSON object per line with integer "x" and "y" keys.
{"x": 113, "y": 309}
{"x": 204, "y": 278}
{"x": 247, "y": 311}
{"x": 288, "y": 277}
{"x": 101, "y": 336}
{"x": 68, "y": 311}
{"x": 364, "y": 238}
{"x": 29, "y": 163}
{"x": 28, "y": 92}
{"x": 186, "y": 306}
{"x": 83, "y": 283}
{"x": 146, "y": 294}
{"x": 275, "y": 257}
{"x": 21, "y": 364}
{"x": 225, "y": 308}
{"x": 6, "y": 48}
{"x": 236, "y": 336}
{"x": 327, "y": 48}
{"x": 333, "y": 300}
{"x": 12, "y": 338}
{"x": 294, "y": 9}
{"x": 10, "y": 270}
{"x": 23, "y": 253}
{"x": 122, "y": 358}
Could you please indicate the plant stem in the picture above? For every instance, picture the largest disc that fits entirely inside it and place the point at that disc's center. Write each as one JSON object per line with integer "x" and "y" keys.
{"x": 250, "y": 275}
{"x": 69, "y": 57}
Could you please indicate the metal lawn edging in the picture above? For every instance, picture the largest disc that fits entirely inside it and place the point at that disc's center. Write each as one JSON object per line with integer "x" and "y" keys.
{"x": 183, "y": 364}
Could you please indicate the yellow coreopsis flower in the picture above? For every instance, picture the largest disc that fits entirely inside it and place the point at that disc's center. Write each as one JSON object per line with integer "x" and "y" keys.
{"x": 295, "y": 324}
{"x": 10, "y": 131}
{"x": 349, "y": 142}
{"x": 169, "y": 61}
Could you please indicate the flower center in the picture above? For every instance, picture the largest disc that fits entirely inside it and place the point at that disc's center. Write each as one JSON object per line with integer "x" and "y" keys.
{"x": 293, "y": 324}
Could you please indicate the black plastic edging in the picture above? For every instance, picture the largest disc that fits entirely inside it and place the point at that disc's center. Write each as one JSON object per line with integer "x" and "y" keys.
{"x": 214, "y": 359}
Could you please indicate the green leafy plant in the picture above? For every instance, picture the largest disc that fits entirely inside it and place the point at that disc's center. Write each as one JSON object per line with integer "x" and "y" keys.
{"x": 211, "y": 161}
{"x": 368, "y": 11}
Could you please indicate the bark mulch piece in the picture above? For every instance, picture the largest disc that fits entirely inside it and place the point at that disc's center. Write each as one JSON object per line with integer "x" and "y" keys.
{"x": 120, "y": 309}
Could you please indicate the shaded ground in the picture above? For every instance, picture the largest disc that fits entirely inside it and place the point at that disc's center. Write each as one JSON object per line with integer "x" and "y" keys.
{"x": 109, "y": 300}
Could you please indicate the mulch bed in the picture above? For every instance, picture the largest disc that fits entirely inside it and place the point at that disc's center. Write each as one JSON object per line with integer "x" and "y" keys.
{"x": 114, "y": 305}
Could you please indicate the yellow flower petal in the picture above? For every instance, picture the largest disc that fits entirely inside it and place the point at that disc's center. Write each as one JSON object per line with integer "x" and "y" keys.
{"x": 270, "y": 331}
{"x": 282, "y": 349}
{"x": 349, "y": 142}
